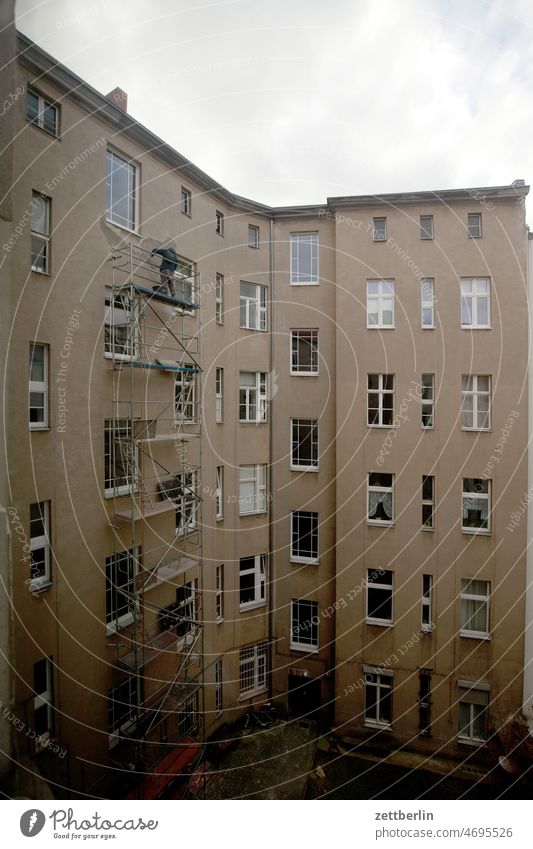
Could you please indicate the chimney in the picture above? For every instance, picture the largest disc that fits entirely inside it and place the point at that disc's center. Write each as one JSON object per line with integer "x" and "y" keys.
{"x": 119, "y": 98}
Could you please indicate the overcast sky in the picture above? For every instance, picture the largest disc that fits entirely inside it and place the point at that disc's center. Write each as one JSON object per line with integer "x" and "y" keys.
{"x": 288, "y": 101}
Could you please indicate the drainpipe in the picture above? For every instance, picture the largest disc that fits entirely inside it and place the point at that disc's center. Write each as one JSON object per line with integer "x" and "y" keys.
{"x": 528, "y": 623}
{"x": 271, "y": 465}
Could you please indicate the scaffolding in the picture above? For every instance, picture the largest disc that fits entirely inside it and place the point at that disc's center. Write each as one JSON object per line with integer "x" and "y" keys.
{"x": 153, "y": 461}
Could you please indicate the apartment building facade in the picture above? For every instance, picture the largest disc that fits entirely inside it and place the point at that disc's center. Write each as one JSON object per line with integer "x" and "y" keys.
{"x": 289, "y": 482}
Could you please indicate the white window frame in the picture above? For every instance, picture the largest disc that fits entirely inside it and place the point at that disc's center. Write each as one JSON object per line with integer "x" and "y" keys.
{"x": 476, "y": 700}
{"x": 379, "y": 229}
{"x": 426, "y": 604}
{"x": 427, "y": 405}
{"x": 133, "y": 169}
{"x": 43, "y": 238}
{"x": 295, "y": 556}
{"x": 295, "y": 462}
{"x": 311, "y": 624}
{"x": 425, "y": 233}
{"x": 481, "y": 600}
{"x": 381, "y": 490}
{"x": 255, "y": 396}
{"x": 186, "y": 502}
{"x": 384, "y": 682}
{"x": 258, "y": 570}
{"x": 43, "y": 103}
{"x": 219, "y": 298}
{"x": 253, "y": 236}
{"x": 219, "y": 223}
{"x": 382, "y": 392}
{"x": 256, "y": 475}
{"x": 483, "y": 285}
{"x": 310, "y": 241}
{"x": 117, "y": 428}
{"x": 131, "y": 558}
{"x": 219, "y": 688}
{"x": 475, "y": 393}
{"x": 384, "y": 589}
{"x": 117, "y": 728}
{"x": 428, "y": 502}
{"x": 40, "y": 387}
{"x": 427, "y": 302}
{"x": 185, "y": 398}
{"x": 253, "y": 306}
{"x": 380, "y": 297}
{"x": 187, "y": 606}
{"x": 219, "y": 493}
{"x": 298, "y": 335}
{"x": 219, "y": 593}
{"x": 471, "y": 226}
{"x": 185, "y": 201}
{"x": 44, "y": 699}
{"x": 253, "y": 666}
{"x": 41, "y": 542}
{"x": 479, "y": 496}
{"x": 116, "y": 306}
{"x": 219, "y": 395}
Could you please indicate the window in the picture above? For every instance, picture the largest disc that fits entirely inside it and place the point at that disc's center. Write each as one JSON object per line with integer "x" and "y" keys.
{"x": 185, "y": 496}
{"x": 304, "y": 444}
{"x": 253, "y": 236}
{"x": 474, "y": 225}
{"x": 475, "y": 302}
{"x": 424, "y": 701}
{"x": 379, "y": 233}
{"x": 40, "y": 544}
{"x": 427, "y": 297}
{"x": 120, "y": 336}
{"x": 428, "y": 501}
{"x": 219, "y": 493}
{"x": 219, "y": 395}
{"x": 42, "y": 112}
{"x": 473, "y": 714}
{"x": 252, "y": 489}
{"x": 185, "y": 201}
{"x": 253, "y": 669}
{"x": 185, "y": 282}
{"x": 426, "y": 226}
{"x": 476, "y": 397}
{"x": 218, "y": 687}
{"x": 379, "y": 586}
{"x": 304, "y": 258}
{"x": 219, "y": 594}
{"x": 304, "y": 624}
{"x": 187, "y": 717}
{"x": 304, "y": 537}
{"x": 40, "y": 233}
{"x": 185, "y": 405}
{"x": 380, "y": 303}
{"x": 43, "y": 700}
{"x": 427, "y": 603}
{"x": 304, "y": 352}
{"x": 121, "y": 569}
{"x": 476, "y": 504}
{"x": 428, "y": 400}
{"x": 185, "y": 610}
{"x": 380, "y": 409}
{"x": 253, "y": 306}
{"x": 122, "y": 707}
{"x": 120, "y": 457}
{"x": 475, "y": 599}
{"x": 219, "y": 299}
{"x": 378, "y": 697}
{"x": 252, "y": 581}
{"x": 121, "y": 191}
{"x": 253, "y": 397}
{"x": 38, "y": 407}
{"x": 380, "y": 499}
{"x": 219, "y": 223}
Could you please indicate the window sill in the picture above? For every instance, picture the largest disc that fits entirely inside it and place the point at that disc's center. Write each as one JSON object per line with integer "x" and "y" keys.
{"x": 42, "y": 273}
{"x": 428, "y": 427}
{"x": 427, "y": 327}
{"x": 122, "y": 358}
{"x": 477, "y": 429}
{"x": 219, "y": 621}
{"x": 304, "y": 469}
{"x": 377, "y": 726}
{"x": 123, "y": 622}
{"x": 305, "y": 561}
{"x": 303, "y": 373}
{"x": 37, "y": 589}
{"x": 253, "y": 605}
{"x": 307, "y": 283}
{"x": 219, "y": 519}
{"x": 111, "y": 493}
{"x": 250, "y": 422}
{"x": 39, "y": 428}
{"x": 467, "y": 741}
{"x": 469, "y": 635}
{"x": 475, "y": 327}
{"x": 374, "y": 524}
{"x": 122, "y": 227}
{"x": 250, "y": 694}
{"x": 379, "y": 623}
{"x": 253, "y": 513}
{"x": 254, "y": 329}
{"x": 304, "y": 649}
{"x": 381, "y": 426}
{"x": 428, "y": 530}
{"x": 475, "y": 532}
{"x": 381, "y": 327}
